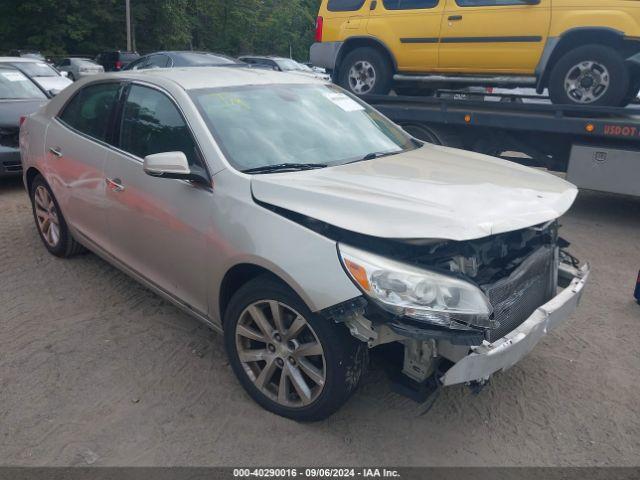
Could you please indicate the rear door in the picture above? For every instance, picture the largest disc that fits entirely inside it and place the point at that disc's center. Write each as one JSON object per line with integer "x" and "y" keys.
{"x": 410, "y": 29}
{"x": 76, "y": 147}
{"x": 156, "y": 223}
{"x": 493, "y": 36}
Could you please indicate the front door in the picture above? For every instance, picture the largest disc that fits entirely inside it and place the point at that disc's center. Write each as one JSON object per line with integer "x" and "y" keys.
{"x": 410, "y": 29}
{"x": 158, "y": 225}
{"x": 76, "y": 143}
{"x": 493, "y": 36}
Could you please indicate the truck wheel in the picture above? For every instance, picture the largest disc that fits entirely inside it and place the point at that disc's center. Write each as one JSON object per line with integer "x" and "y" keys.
{"x": 51, "y": 225}
{"x": 365, "y": 71}
{"x": 446, "y": 137}
{"x": 291, "y": 361}
{"x": 590, "y": 75}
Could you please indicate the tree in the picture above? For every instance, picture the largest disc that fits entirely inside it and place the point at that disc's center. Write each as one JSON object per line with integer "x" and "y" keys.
{"x": 86, "y": 27}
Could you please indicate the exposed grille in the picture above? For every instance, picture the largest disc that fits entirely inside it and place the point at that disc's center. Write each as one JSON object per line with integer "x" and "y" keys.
{"x": 9, "y": 137}
{"x": 12, "y": 166}
{"x": 517, "y": 296}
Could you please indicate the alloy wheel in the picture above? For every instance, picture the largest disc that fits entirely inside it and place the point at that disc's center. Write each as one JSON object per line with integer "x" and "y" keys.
{"x": 47, "y": 216}
{"x": 280, "y": 353}
{"x": 362, "y": 77}
{"x": 587, "y": 82}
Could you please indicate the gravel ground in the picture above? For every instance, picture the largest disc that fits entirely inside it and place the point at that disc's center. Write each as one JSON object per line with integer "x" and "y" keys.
{"x": 97, "y": 370}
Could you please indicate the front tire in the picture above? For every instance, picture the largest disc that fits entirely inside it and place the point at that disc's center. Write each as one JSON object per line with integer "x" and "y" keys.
{"x": 291, "y": 361}
{"x": 366, "y": 71}
{"x": 51, "y": 225}
{"x": 592, "y": 75}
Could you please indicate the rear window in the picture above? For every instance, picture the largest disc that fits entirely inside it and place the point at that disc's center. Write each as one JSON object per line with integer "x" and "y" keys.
{"x": 36, "y": 69}
{"x": 206, "y": 59}
{"x": 344, "y": 5}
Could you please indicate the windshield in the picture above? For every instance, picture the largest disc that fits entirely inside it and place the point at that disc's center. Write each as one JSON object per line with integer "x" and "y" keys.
{"x": 36, "y": 69}
{"x": 258, "y": 126}
{"x": 14, "y": 85}
{"x": 286, "y": 65}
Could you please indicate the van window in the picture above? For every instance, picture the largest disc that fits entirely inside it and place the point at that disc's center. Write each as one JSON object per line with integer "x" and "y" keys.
{"x": 89, "y": 111}
{"x": 409, "y": 4}
{"x": 490, "y": 3}
{"x": 344, "y": 5}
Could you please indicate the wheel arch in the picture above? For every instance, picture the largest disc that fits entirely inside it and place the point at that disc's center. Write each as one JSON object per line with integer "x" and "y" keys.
{"x": 29, "y": 176}
{"x": 364, "y": 41}
{"x": 573, "y": 38}
{"x": 242, "y": 273}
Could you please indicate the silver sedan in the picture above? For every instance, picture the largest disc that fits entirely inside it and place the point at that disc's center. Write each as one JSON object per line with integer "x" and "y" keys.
{"x": 304, "y": 225}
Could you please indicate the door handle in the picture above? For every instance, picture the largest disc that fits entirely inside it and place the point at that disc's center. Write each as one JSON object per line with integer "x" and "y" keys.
{"x": 56, "y": 151}
{"x": 114, "y": 184}
{"x": 455, "y": 18}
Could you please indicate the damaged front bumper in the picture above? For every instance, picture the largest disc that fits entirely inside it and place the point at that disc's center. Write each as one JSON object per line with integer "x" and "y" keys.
{"x": 488, "y": 358}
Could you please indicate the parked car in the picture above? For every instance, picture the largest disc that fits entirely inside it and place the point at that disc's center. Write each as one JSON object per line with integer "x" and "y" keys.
{"x": 115, "y": 61}
{"x": 586, "y": 56}
{"x": 77, "y": 68}
{"x": 282, "y": 64}
{"x": 28, "y": 54}
{"x": 304, "y": 225}
{"x": 19, "y": 97}
{"x": 169, "y": 59}
{"x": 50, "y": 80}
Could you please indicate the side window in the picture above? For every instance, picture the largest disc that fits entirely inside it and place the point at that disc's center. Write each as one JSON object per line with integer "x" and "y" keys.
{"x": 65, "y": 63}
{"x": 139, "y": 64}
{"x": 409, "y": 4}
{"x": 157, "y": 61}
{"x": 151, "y": 123}
{"x": 344, "y": 5}
{"x": 491, "y": 3}
{"x": 90, "y": 110}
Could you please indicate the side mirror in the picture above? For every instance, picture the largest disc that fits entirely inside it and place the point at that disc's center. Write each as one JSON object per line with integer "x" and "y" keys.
{"x": 173, "y": 165}
{"x": 64, "y": 74}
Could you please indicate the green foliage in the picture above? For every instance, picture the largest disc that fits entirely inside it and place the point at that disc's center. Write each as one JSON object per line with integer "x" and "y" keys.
{"x": 87, "y": 27}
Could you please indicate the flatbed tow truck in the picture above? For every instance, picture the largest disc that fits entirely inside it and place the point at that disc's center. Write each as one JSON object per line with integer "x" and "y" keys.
{"x": 597, "y": 147}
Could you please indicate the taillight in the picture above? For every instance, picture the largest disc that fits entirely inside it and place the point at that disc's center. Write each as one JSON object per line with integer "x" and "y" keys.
{"x": 489, "y": 90}
{"x": 22, "y": 119}
{"x": 319, "y": 24}
{"x": 118, "y": 64}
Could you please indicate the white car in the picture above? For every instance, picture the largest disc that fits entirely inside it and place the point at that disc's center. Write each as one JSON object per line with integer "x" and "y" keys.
{"x": 77, "y": 68}
{"x": 44, "y": 75}
{"x": 303, "y": 225}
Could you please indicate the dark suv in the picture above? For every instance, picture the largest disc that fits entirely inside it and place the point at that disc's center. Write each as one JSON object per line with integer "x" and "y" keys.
{"x": 116, "y": 61}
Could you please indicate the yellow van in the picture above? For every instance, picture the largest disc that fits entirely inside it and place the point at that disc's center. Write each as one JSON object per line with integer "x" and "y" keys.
{"x": 584, "y": 51}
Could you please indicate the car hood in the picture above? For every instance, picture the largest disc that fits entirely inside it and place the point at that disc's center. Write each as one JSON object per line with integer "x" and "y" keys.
{"x": 431, "y": 192}
{"x": 53, "y": 83}
{"x": 12, "y": 110}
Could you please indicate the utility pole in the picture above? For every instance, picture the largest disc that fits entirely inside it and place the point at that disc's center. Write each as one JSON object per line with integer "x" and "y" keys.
{"x": 128, "y": 13}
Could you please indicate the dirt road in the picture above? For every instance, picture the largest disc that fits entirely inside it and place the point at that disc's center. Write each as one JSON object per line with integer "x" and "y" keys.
{"x": 97, "y": 370}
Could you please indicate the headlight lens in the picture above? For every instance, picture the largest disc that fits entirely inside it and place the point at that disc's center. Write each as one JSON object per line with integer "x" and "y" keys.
{"x": 416, "y": 293}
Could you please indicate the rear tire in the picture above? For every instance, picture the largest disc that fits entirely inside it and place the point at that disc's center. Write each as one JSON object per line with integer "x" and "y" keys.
{"x": 50, "y": 223}
{"x": 328, "y": 376}
{"x": 366, "y": 71}
{"x": 591, "y": 75}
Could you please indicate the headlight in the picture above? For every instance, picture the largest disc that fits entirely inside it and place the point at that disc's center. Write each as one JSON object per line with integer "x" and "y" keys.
{"x": 416, "y": 293}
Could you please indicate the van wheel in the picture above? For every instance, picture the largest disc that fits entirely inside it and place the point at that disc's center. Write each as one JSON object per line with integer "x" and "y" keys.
{"x": 365, "y": 71}
{"x": 291, "y": 361}
{"x": 590, "y": 75}
{"x": 51, "y": 225}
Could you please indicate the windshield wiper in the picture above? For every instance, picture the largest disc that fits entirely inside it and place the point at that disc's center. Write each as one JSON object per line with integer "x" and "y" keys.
{"x": 284, "y": 167}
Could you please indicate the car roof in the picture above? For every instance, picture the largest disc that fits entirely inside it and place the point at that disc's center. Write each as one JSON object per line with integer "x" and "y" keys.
{"x": 192, "y": 78}
{"x": 20, "y": 59}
